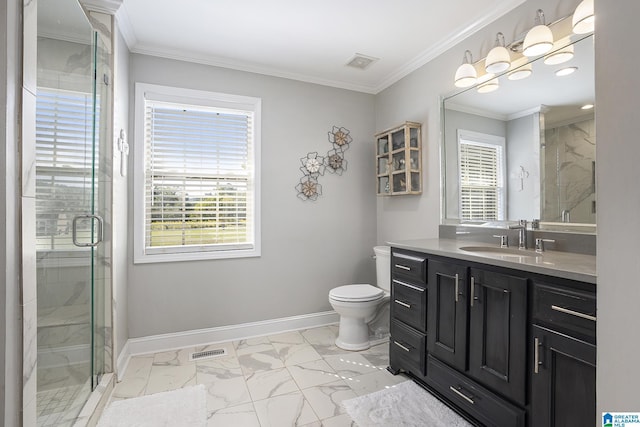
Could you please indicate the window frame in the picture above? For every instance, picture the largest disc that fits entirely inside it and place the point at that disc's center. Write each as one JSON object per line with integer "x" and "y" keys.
{"x": 198, "y": 98}
{"x": 487, "y": 140}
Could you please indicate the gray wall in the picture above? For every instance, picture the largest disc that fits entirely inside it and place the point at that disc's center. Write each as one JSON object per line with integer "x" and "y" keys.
{"x": 307, "y": 247}
{"x": 10, "y": 309}
{"x": 618, "y": 198}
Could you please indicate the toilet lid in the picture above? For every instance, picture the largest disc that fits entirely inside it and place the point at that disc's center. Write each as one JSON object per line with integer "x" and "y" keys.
{"x": 356, "y": 293}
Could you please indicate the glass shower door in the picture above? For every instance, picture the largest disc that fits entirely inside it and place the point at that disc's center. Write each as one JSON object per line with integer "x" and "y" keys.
{"x": 71, "y": 271}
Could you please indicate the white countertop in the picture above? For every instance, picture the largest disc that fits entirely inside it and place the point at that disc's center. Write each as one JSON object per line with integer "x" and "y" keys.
{"x": 558, "y": 264}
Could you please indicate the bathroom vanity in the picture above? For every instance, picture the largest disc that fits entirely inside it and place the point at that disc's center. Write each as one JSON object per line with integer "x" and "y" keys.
{"x": 505, "y": 337}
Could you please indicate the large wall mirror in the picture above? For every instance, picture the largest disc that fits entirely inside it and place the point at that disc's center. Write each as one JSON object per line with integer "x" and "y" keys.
{"x": 525, "y": 150}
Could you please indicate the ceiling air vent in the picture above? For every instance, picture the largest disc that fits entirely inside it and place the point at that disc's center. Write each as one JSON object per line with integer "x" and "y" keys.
{"x": 202, "y": 355}
{"x": 361, "y": 62}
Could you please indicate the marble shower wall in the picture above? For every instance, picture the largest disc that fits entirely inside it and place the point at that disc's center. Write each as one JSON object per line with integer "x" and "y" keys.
{"x": 569, "y": 179}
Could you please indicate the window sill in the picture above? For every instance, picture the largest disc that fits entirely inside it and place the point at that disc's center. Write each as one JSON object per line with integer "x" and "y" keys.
{"x": 196, "y": 256}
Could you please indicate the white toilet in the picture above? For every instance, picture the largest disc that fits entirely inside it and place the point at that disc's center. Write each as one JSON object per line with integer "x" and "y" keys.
{"x": 357, "y": 304}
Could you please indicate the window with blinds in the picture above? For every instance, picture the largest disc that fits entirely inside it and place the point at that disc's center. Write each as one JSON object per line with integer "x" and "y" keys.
{"x": 481, "y": 172}
{"x": 64, "y": 158}
{"x": 199, "y": 186}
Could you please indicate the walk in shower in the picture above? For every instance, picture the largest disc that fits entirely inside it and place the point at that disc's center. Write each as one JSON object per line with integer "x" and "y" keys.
{"x": 73, "y": 198}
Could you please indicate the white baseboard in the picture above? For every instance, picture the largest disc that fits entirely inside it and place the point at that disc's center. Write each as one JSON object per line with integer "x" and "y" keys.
{"x": 166, "y": 342}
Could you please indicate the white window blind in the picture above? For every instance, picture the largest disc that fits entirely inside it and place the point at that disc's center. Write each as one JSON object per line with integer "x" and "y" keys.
{"x": 199, "y": 178}
{"x": 64, "y": 158}
{"x": 481, "y": 181}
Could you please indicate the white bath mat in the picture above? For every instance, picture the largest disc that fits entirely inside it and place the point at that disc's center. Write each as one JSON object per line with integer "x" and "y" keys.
{"x": 185, "y": 407}
{"x": 406, "y": 404}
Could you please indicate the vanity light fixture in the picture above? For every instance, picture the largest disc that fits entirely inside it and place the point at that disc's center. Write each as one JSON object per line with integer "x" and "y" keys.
{"x": 498, "y": 59}
{"x": 520, "y": 72}
{"x": 583, "y": 18}
{"x": 539, "y": 39}
{"x": 558, "y": 57}
{"x": 466, "y": 74}
{"x": 489, "y": 86}
{"x": 566, "y": 71}
{"x": 587, "y": 107}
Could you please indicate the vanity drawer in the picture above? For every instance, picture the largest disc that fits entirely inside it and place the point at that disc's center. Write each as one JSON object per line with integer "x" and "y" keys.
{"x": 410, "y": 265}
{"x": 564, "y": 308}
{"x": 409, "y": 304}
{"x": 407, "y": 348}
{"x": 472, "y": 398}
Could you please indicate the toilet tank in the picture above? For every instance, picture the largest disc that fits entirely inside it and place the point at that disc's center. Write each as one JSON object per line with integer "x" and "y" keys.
{"x": 383, "y": 267}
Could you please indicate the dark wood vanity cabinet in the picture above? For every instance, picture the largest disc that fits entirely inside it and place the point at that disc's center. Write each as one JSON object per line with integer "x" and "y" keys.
{"x": 506, "y": 347}
{"x": 563, "y": 374}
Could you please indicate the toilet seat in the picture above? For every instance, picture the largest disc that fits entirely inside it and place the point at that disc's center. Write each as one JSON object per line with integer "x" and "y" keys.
{"x": 356, "y": 293}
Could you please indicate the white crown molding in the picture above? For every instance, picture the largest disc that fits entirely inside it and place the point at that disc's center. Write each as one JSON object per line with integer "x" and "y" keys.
{"x": 123, "y": 23}
{"x": 105, "y": 6}
{"x": 528, "y": 112}
{"x": 476, "y": 111}
{"x": 239, "y": 66}
{"x": 448, "y": 42}
{"x": 166, "y": 342}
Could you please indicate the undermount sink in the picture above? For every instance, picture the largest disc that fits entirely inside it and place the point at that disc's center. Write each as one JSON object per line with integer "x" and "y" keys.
{"x": 497, "y": 251}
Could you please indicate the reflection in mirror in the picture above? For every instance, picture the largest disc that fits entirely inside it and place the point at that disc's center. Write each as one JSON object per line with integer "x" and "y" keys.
{"x": 525, "y": 150}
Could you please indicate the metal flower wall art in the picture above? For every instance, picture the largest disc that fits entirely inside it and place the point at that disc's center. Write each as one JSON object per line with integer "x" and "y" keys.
{"x": 313, "y": 165}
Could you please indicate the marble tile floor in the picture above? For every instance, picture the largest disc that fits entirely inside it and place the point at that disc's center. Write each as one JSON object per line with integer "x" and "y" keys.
{"x": 291, "y": 379}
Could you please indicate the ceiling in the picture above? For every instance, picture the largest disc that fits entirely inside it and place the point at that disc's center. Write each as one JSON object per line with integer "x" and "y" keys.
{"x": 308, "y": 40}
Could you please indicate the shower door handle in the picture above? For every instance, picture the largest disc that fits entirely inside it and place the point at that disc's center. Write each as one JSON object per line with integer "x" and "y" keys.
{"x": 100, "y": 235}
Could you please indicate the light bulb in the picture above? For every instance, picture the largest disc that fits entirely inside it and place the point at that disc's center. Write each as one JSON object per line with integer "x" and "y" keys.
{"x": 583, "y": 19}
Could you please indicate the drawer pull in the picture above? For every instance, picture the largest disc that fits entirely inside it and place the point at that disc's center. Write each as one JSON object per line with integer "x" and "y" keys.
{"x": 402, "y": 347}
{"x": 415, "y": 288}
{"x": 536, "y": 355}
{"x": 573, "y": 313}
{"x": 462, "y": 395}
{"x": 404, "y": 304}
{"x": 403, "y": 267}
{"x": 473, "y": 289}
{"x": 457, "y": 286}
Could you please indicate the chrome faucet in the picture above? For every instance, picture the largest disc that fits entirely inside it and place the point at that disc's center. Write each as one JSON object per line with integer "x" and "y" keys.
{"x": 504, "y": 240}
{"x": 540, "y": 244}
{"x": 522, "y": 233}
{"x": 566, "y": 215}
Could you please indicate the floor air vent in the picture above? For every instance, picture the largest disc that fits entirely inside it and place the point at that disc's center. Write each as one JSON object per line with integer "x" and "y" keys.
{"x": 209, "y": 354}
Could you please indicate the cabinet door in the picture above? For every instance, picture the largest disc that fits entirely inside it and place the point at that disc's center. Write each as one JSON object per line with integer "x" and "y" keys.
{"x": 498, "y": 332}
{"x": 447, "y": 313}
{"x": 563, "y": 380}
